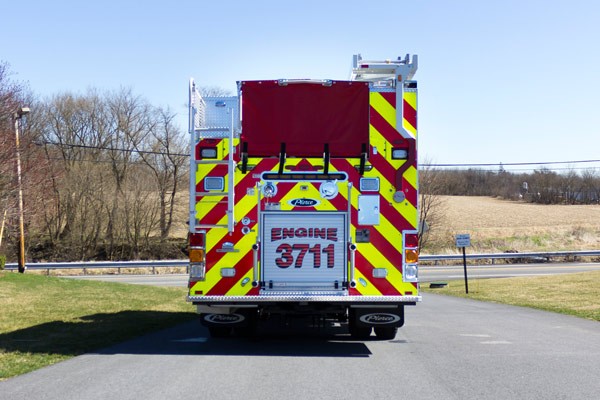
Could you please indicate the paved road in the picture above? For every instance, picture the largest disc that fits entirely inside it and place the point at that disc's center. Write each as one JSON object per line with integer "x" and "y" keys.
{"x": 427, "y": 274}
{"x": 450, "y": 348}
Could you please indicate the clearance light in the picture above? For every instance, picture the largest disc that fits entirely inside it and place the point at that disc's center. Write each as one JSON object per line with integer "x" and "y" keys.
{"x": 214, "y": 183}
{"x": 411, "y": 256}
{"x": 400, "y": 154}
{"x": 369, "y": 184}
{"x": 208, "y": 152}
{"x": 227, "y": 272}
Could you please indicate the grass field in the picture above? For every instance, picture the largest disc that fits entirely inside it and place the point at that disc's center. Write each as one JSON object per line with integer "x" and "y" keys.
{"x": 573, "y": 294}
{"x": 45, "y": 320}
{"x": 498, "y": 225}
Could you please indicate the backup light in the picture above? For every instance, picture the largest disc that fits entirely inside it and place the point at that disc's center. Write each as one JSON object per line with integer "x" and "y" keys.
{"x": 410, "y": 273}
{"x": 197, "y": 271}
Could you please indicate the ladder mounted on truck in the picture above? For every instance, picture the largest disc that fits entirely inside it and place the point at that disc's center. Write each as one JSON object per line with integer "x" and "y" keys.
{"x": 213, "y": 118}
{"x": 381, "y": 72}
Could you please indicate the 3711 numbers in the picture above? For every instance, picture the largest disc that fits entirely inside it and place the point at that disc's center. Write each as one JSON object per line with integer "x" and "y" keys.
{"x": 295, "y": 254}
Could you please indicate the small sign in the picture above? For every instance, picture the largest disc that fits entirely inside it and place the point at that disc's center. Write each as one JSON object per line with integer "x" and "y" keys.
{"x": 463, "y": 240}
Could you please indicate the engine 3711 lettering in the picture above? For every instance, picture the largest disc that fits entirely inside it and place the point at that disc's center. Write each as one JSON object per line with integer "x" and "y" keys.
{"x": 330, "y": 234}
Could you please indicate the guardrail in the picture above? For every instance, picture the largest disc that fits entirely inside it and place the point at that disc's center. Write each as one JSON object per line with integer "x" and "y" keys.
{"x": 533, "y": 256}
{"x": 85, "y": 265}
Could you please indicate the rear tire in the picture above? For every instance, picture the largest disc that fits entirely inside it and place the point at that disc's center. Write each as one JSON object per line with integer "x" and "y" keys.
{"x": 386, "y": 333}
{"x": 360, "y": 332}
{"x": 219, "y": 332}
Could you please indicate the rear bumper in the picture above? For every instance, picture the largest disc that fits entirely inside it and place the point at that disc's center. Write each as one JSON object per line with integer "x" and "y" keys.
{"x": 287, "y": 297}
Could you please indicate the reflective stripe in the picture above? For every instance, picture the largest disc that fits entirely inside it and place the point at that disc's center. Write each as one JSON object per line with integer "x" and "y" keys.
{"x": 385, "y": 248}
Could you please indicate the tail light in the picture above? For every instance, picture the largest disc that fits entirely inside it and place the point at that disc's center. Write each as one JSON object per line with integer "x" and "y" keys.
{"x": 197, "y": 256}
{"x": 411, "y": 240}
{"x": 411, "y": 256}
{"x": 410, "y": 268}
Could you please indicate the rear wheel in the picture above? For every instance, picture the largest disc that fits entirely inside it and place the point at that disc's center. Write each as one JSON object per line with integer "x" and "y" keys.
{"x": 249, "y": 330}
{"x": 386, "y": 333}
{"x": 360, "y": 332}
{"x": 219, "y": 332}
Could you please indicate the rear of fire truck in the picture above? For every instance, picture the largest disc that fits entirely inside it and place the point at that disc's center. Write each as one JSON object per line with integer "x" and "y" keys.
{"x": 303, "y": 200}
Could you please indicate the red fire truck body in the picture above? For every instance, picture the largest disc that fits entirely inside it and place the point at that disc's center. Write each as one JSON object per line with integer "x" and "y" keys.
{"x": 303, "y": 200}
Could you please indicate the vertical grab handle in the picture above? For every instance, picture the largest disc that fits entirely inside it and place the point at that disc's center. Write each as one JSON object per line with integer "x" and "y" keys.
{"x": 231, "y": 183}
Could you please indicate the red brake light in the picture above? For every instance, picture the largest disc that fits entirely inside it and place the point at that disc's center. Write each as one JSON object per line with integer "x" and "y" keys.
{"x": 411, "y": 240}
{"x": 197, "y": 240}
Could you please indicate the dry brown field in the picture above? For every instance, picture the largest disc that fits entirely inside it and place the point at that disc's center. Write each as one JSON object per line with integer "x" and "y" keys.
{"x": 497, "y": 225}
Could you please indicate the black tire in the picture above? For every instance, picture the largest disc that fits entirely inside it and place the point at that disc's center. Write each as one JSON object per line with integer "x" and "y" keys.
{"x": 360, "y": 332}
{"x": 386, "y": 333}
{"x": 219, "y": 332}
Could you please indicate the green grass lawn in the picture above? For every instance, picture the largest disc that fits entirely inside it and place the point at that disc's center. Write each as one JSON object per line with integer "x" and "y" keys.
{"x": 44, "y": 320}
{"x": 573, "y": 294}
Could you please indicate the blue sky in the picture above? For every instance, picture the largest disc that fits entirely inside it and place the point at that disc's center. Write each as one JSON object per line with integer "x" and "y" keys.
{"x": 499, "y": 81}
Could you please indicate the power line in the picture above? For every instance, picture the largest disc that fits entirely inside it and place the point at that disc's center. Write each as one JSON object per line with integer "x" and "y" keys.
{"x": 516, "y": 164}
{"x": 83, "y": 146}
{"x": 445, "y": 165}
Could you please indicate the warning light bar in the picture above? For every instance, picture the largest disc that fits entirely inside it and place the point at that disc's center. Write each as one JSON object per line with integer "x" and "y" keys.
{"x": 304, "y": 176}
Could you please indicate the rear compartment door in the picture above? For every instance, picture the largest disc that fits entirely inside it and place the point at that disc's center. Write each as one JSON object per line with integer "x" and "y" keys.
{"x": 303, "y": 251}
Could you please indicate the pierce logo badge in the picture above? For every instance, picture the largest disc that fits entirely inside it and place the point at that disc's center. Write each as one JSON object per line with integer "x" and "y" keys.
{"x": 304, "y": 202}
{"x": 224, "y": 318}
{"x": 379, "y": 318}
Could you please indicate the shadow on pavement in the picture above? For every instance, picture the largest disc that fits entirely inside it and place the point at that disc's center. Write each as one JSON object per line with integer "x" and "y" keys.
{"x": 286, "y": 341}
{"x": 91, "y": 332}
{"x": 186, "y": 336}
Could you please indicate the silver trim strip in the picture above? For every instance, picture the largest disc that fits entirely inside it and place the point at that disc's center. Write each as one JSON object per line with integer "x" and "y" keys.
{"x": 291, "y": 297}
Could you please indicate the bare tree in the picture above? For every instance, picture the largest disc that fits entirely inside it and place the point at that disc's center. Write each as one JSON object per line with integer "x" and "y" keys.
{"x": 13, "y": 95}
{"x": 165, "y": 156}
{"x": 214, "y": 91}
{"x": 128, "y": 126}
{"x": 70, "y": 131}
{"x": 10, "y": 93}
{"x": 431, "y": 203}
{"x": 591, "y": 186}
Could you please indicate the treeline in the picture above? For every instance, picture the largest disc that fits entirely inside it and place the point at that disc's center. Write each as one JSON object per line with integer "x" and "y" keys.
{"x": 542, "y": 186}
{"x": 101, "y": 175}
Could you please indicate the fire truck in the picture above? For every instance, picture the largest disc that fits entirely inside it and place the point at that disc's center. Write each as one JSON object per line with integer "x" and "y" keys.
{"x": 304, "y": 200}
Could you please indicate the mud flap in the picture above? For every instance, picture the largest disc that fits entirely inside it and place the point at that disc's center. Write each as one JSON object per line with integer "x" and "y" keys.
{"x": 377, "y": 317}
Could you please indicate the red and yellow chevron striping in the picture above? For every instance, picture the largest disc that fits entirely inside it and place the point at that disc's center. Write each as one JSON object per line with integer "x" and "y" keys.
{"x": 378, "y": 262}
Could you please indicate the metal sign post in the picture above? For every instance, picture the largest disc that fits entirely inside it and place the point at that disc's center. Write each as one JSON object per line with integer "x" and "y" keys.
{"x": 463, "y": 241}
